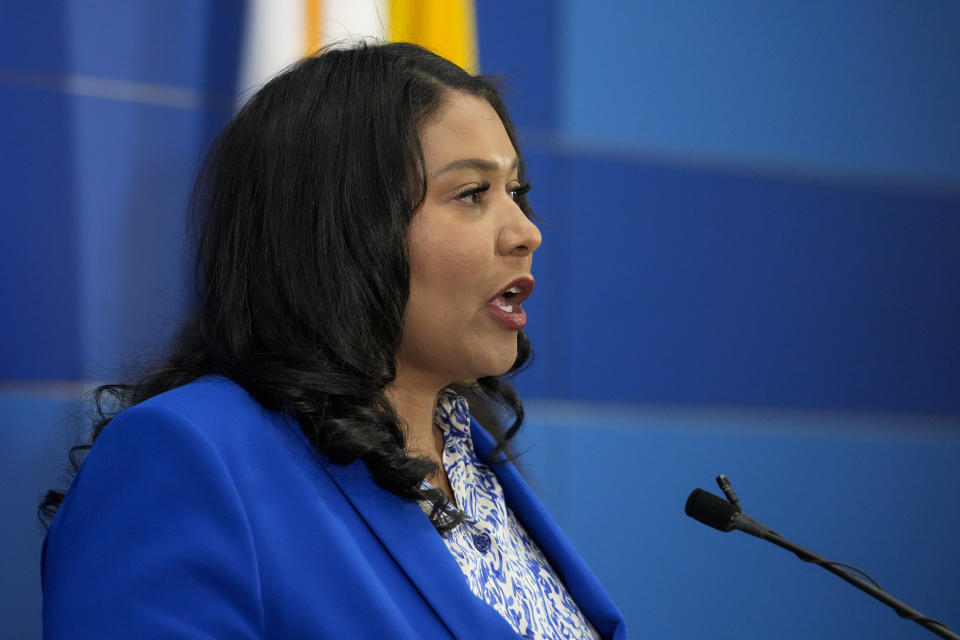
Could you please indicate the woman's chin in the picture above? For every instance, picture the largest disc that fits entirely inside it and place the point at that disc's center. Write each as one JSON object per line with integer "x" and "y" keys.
{"x": 500, "y": 364}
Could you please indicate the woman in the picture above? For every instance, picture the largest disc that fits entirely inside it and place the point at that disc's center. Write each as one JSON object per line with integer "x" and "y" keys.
{"x": 301, "y": 466}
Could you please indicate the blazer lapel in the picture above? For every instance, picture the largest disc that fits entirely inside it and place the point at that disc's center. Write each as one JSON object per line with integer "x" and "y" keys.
{"x": 410, "y": 538}
{"x": 580, "y": 581}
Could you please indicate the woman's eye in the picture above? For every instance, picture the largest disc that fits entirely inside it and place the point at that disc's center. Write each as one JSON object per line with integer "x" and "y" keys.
{"x": 520, "y": 190}
{"x": 472, "y": 194}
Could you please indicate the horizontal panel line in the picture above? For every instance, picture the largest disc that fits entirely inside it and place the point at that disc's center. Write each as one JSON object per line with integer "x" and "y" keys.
{"x": 158, "y": 95}
{"x": 556, "y": 142}
{"x": 62, "y": 389}
{"x": 592, "y": 414}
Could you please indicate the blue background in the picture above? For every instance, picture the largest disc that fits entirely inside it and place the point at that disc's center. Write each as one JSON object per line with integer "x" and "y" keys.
{"x": 750, "y": 214}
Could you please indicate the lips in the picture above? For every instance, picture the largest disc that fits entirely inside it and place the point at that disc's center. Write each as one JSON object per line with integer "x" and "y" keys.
{"x": 505, "y": 306}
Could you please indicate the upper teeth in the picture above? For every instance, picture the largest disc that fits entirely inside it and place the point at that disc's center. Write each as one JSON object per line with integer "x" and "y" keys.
{"x": 503, "y": 305}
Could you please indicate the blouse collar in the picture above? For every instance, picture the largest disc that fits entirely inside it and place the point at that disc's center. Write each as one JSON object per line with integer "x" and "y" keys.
{"x": 452, "y": 415}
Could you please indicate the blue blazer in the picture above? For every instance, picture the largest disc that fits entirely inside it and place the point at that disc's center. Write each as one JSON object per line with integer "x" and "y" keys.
{"x": 200, "y": 514}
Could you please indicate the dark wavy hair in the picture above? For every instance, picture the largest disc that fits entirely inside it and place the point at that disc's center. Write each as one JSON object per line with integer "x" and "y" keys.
{"x": 300, "y": 213}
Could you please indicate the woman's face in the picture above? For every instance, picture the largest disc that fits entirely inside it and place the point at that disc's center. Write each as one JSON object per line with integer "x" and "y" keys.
{"x": 470, "y": 248}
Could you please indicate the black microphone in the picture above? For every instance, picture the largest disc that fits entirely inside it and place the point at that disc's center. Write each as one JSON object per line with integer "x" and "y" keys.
{"x": 712, "y": 511}
{"x": 716, "y": 512}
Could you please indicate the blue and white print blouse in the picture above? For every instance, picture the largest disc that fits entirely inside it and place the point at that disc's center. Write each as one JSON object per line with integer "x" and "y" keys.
{"x": 502, "y": 564}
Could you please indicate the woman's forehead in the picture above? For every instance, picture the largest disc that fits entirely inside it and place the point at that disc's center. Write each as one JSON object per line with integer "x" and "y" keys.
{"x": 466, "y": 132}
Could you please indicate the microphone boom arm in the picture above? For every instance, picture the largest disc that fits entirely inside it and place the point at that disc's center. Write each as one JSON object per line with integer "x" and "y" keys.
{"x": 716, "y": 512}
{"x": 903, "y": 610}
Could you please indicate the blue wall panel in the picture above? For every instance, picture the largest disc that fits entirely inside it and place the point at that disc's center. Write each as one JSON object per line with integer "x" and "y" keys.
{"x": 673, "y": 285}
{"x": 147, "y": 42}
{"x": 519, "y": 43}
{"x": 34, "y": 37}
{"x": 106, "y": 111}
{"x": 38, "y": 255}
{"x": 178, "y": 43}
{"x": 861, "y": 87}
{"x": 135, "y": 174}
{"x": 877, "y": 492}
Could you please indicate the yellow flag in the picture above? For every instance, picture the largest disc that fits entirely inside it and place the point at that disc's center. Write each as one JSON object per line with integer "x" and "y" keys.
{"x": 446, "y": 27}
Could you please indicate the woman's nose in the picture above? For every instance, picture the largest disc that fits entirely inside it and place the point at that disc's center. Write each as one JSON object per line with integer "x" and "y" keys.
{"x": 519, "y": 235}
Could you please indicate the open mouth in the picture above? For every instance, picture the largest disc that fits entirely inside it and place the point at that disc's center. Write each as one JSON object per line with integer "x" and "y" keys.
{"x": 510, "y": 299}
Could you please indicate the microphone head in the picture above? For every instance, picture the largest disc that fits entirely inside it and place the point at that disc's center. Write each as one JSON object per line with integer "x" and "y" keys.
{"x": 711, "y": 510}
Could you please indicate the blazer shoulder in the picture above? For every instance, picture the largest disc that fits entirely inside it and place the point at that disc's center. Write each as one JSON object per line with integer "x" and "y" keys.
{"x": 219, "y": 412}
{"x": 205, "y": 398}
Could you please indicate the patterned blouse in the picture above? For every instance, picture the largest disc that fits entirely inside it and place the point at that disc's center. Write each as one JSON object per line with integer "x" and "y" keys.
{"x": 502, "y": 564}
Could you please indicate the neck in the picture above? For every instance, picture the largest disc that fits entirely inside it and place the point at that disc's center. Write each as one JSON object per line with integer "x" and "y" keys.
{"x": 415, "y": 400}
{"x": 415, "y": 405}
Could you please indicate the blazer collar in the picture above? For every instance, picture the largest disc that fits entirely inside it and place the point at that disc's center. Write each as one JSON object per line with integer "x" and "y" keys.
{"x": 409, "y": 537}
{"x": 579, "y": 579}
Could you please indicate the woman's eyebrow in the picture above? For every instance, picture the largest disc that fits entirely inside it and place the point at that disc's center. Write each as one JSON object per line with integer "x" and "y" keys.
{"x": 472, "y": 163}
